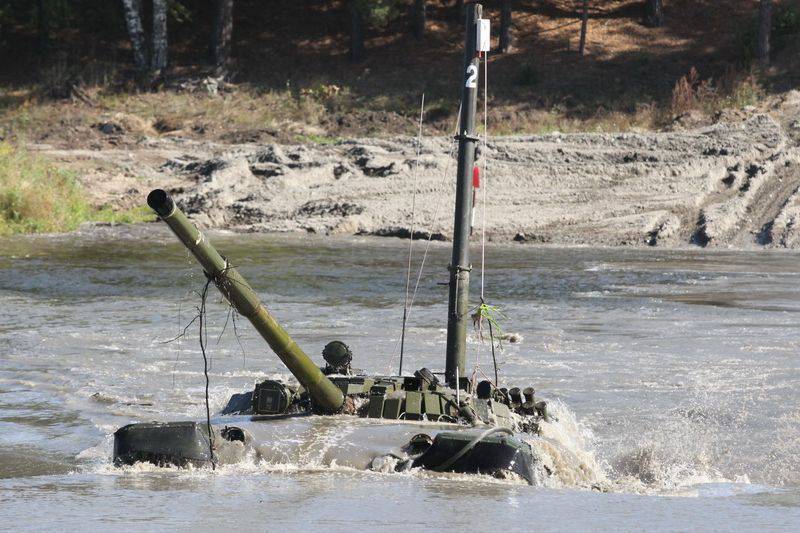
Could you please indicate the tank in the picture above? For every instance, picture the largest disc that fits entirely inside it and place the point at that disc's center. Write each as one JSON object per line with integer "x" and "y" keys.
{"x": 469, "y": 428}
{"x": 434, "y": 421}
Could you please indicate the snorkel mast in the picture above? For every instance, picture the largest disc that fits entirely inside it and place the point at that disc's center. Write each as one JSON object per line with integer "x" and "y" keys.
{"x": 460, "y": 266}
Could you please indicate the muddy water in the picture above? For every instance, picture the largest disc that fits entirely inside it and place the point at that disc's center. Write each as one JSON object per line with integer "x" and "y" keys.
{"x": 675, "y": 371}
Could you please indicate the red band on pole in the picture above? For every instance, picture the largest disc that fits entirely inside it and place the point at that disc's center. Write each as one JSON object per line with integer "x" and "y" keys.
{"x": 476, "y": 177}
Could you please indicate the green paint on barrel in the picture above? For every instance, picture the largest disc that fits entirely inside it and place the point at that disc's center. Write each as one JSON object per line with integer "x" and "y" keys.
{"x": 327, "y": 397}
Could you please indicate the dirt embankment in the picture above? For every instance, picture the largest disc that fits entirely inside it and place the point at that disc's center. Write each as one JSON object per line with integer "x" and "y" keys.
{"x": 730, "y": 184}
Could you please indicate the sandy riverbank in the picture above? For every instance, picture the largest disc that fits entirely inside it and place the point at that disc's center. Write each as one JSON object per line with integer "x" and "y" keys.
{"x": 730, "y": 184}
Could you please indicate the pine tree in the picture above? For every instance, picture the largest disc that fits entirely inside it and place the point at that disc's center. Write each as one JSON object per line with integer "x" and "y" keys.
{"x": 419, "y": 18}
{"x": 505, "y": 26}
{"x": 584, "y": 27}
{"x": 356, "y": 30}
{"x": 363, "y": 12}
{"x": 42, "y": 27}
{"x": 223, "y": 34}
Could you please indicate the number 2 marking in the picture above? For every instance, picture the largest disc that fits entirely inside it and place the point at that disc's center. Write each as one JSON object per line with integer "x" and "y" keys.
{"x": 472, "y": 76}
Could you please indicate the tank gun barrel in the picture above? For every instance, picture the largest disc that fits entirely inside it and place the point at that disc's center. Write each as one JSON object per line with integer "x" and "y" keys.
{"x": 325, "y": 395}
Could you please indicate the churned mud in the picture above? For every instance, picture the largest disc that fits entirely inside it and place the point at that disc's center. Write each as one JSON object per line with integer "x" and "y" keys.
{"x": 734, "y": 183}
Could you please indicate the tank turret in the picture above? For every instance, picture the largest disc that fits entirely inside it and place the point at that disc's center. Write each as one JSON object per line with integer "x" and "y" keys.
{"x": 326, "y": 396}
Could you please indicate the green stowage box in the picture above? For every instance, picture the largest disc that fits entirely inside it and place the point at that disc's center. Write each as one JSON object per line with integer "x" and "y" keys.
{"x": 432, "y": 404}
{"x": 413, "y": 405}
{"x": 391, "y": 408}
{"x": 351, "y": 388}
{"x": 379, "y": 390}
{"x": 376, "y": 405}
{"x": 354, "y": 385}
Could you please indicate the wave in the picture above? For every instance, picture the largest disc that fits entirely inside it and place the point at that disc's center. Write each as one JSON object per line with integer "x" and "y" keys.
{"x": 676, "y": 457}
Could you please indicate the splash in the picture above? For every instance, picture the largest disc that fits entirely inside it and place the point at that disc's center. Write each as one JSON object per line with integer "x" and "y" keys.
{"x": 683, "y": 450}
{"x": 678, "y": 455}
{"x": 565, "y": 452}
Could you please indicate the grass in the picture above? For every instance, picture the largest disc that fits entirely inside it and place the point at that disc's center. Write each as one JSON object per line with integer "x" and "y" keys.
{"x": 733, "y": 91}
{"x": 527, "y": 99}
{"x": 38, "y": 197}
{"x": 295, "y": 84}
{"x": 25, "y": 115}
{"x": 316, "y": 117}
{"x": 245, "y": 109}
{"x": 491, "y": 315}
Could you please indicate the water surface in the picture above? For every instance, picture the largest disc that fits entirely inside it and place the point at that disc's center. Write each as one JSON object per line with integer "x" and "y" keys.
{"x": 680, "y": 367}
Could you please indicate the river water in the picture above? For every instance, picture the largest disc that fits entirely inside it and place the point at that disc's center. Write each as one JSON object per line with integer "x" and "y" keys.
{"x": 675, "y": 373}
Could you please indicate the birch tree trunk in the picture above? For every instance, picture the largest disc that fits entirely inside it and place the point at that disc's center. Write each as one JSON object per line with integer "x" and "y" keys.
{"x": 158, "y": 61}
{"x": 419, "y": 19}
{"x": 133, "y": 22}
{"x": 505, "y": 26}
{"x": 654, "y": 13}
{"x": 223, "y": 34}
{"x": 764, "y": 30}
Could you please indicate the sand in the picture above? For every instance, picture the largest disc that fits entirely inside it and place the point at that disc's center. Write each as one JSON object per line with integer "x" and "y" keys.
{"x": 732, "y": 184}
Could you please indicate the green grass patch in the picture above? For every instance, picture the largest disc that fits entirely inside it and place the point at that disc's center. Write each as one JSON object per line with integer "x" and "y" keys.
{"x": 488, "y": 317}
{"x": 38, "y": 197}
{"x": 131, "y": 216}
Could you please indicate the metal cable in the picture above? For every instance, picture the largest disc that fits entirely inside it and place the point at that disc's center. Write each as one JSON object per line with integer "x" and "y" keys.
{"x": 203, "y": 343}
{"x": 485, "y": 165}
{"x": 470, "y": 445}
{"x": 411, "y": 236}
{"x": 483, "y": 202}
{"x": 434, "y": 221}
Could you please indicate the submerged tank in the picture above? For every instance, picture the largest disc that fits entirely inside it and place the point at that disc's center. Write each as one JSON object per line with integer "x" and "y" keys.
{"x": 440, "y": 421}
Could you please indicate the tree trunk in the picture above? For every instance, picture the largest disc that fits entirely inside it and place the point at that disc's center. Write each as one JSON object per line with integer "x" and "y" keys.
{"x": 764, "y": 30}
{"x": 133, "y": 21}
{"x": 505, "y": 26}
{"x": 419, "y": 19}
{"x": 356, "y": 32}
{"x": 42, "y": 27}
{"x": 584, "y": 26}
{"x": 158, "y": 61}
{"x": 223, "y": 34}
{"x": 654, "y": 13}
